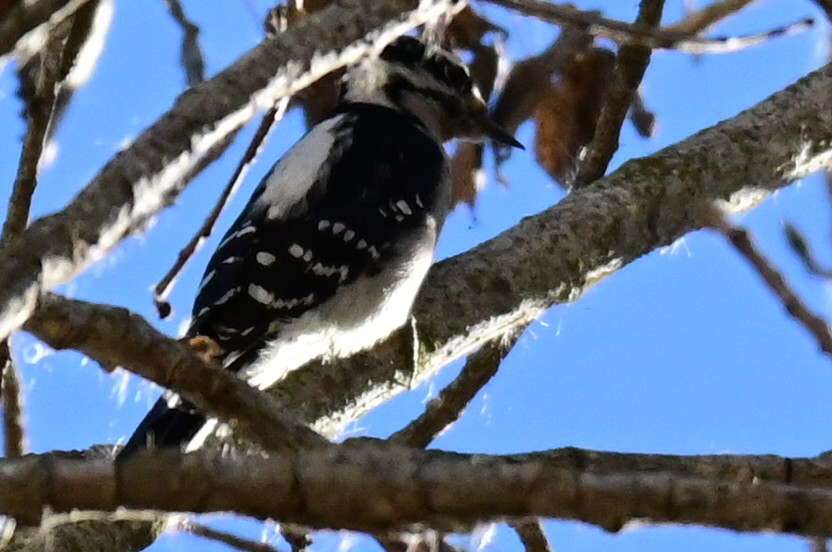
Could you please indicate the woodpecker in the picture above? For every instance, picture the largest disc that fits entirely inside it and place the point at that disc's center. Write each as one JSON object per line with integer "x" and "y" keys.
{"x": 327, "y": 256}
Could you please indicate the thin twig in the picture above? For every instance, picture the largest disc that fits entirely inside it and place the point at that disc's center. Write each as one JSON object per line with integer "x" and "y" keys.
{"x": 191, "y": 57}
{"x": 630, "y": 65}
{"x": 229, "y": 539}
{"x": 700, "y": 20}
{"x": 165, "y": 285}
{"x": 39, "y": 110}
{"x": 446, "y": 408}
{"x": 744, "y": 245}
{"x": 532, "y": 535}
{"x": 114, "y": 336}
{"x": 625, "y": 33}
{"x": 14, "y": 436}
{"x": 800, "y": 246}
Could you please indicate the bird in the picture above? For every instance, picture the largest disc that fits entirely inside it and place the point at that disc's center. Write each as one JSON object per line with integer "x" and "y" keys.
{"x": 327, "y": 257}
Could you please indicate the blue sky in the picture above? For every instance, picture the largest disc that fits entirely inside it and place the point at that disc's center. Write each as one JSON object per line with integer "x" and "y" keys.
{"x": 683, "y": 351}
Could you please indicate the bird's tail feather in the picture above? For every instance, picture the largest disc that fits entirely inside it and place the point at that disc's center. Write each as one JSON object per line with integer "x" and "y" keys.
{"x": 163, "y": 427}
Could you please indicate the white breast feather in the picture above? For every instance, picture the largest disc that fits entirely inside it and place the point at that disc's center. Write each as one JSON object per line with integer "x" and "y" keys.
{"x": 356, "y": 318}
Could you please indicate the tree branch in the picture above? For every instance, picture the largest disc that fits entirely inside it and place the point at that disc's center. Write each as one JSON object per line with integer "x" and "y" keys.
{"x": 700, "y": 20}
{"x": 531, "y": 535}
{"x": 377, "y": 486}
{"x": 446, "y": 408}
{"x": 116, "y": 337}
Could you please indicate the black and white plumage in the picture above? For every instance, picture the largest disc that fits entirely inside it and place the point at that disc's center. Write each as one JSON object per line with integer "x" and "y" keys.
{"x": 328, "y": 255}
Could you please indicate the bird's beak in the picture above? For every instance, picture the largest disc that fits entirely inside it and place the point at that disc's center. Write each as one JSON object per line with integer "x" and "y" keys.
{"x": 496, "y": 132}
{"x": 484, "y": 125}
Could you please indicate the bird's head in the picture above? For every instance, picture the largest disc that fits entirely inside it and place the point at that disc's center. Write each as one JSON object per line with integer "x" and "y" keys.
{"x": 429, "y": 83}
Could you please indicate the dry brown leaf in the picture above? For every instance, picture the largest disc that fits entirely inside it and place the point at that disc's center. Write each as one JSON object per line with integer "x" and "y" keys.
{"x": 530, "y": 78}
{"x": 468, "y": 28}
{"x": 567, "y": 114}
{"x": 525, "y": 86}
{"x": 555, "y": 123}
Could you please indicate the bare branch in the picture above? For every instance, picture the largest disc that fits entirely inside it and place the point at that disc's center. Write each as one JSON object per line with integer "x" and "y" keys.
{"x": 191, "y": 57}
{"x": 40, "y": 107}
{"x": 630, "y": 65}
{"x": 744, "y": 245}
{"x": 162, "y": 289}
{"x": 624, "y": 33}
{"x": 700, "y": 20}
{"x": 148, "y": 175}
{"x": 116, "y": 337}
{"x": 14, "y": 436}
{"x": 445, "y": 409}
{"x": 378, "y": 486}
{"x": 228, "y": 539}
{"x": 800, "y": 247}
{"x": 531, "y": 535}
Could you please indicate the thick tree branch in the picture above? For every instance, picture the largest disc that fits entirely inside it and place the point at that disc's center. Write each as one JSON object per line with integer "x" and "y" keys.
{"x": 116, "y": 337}
{"x": 553, "y": 257}
{"x": 378, "y": 486}
{"x": 148, "y": 175}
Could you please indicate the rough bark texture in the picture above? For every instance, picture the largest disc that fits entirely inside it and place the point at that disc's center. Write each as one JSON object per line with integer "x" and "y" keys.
{"x": 376, "y": 486}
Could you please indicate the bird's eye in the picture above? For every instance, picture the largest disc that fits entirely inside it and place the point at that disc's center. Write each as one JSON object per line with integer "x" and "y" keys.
{"x": 405, "y": 50}
{"x": 457, "y": 77}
